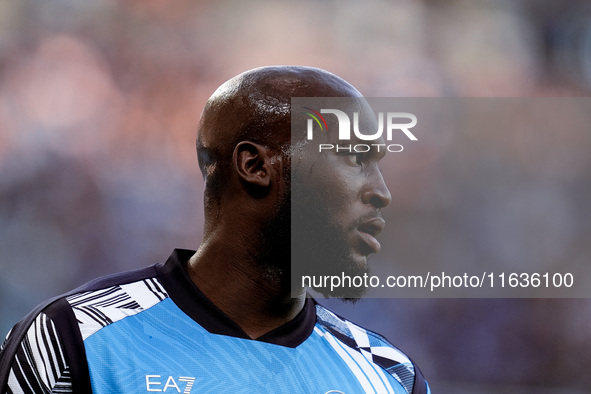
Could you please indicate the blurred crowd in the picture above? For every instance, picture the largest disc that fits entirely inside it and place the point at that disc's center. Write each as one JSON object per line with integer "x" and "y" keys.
{"x": 99, "y": 103}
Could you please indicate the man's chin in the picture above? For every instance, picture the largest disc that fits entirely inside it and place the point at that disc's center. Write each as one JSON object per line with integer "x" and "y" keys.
{"x": 349, "y": 300}
{"x": 325, "y": 259}
{"x": 349, "y": 295}
{"x": 346, "y": 280}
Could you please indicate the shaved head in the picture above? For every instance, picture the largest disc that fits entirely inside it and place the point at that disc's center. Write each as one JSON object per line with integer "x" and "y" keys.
{"x": 255, "y": 106}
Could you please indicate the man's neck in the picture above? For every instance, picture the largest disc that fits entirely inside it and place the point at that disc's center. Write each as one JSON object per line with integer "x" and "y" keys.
{"x": 255, "y": 298}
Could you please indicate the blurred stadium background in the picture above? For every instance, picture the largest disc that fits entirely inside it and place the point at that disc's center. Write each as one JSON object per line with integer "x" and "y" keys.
{"x": 99, "y": 103}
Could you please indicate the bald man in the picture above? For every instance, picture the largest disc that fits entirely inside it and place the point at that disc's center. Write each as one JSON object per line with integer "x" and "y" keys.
{"x": 226, "y": 318}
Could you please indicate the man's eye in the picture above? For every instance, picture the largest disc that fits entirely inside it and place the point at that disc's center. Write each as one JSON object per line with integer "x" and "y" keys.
{"x": 356, "y": 158}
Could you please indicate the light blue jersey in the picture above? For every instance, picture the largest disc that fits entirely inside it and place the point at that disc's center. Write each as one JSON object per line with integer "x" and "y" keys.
{"x": 152, "y": 330}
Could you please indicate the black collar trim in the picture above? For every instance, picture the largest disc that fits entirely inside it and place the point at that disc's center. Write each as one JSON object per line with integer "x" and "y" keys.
{"x": 196, "y": 305}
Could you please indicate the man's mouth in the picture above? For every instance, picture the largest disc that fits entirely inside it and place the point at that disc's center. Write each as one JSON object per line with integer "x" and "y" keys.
{"x": 369, "y": 229}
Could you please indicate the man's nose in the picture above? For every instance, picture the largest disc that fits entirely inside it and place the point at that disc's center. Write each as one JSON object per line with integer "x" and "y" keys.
{"x": 376, "y": 193}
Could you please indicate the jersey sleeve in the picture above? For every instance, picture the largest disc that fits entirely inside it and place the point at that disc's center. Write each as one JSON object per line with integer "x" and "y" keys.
{"x": 39, "y": 364}
{"x": 44, "y": 353}
{"x": 375, "y": 348}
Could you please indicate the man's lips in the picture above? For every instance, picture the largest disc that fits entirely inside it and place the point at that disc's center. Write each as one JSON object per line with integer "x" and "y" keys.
{"x": 369, "y": 229}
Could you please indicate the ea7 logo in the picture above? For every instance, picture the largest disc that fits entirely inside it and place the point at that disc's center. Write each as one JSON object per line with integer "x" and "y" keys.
{"x": 157, "y": 383}
{"x": 392, "y": 123}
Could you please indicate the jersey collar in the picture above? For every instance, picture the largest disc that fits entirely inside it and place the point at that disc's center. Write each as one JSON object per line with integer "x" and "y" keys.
{"x": 195, "y": 304}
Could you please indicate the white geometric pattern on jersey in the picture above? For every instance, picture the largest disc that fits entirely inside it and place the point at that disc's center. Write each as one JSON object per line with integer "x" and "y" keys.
{"x": 370, "y": 376}
{"x": 99, "y": 308}
{"x": 39, "y": 363}
{"x": 370, "y": 345}
{"x": 362, "y": 339}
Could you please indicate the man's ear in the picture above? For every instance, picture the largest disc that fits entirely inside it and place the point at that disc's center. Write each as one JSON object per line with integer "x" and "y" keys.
{"x": 253, "y": 164}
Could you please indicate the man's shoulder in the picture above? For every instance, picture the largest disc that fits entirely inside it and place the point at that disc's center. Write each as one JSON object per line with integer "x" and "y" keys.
{"x": 125, "y": 289}
{"x": 374, "y": 347}
{"x": 95, "y": 291}
{"x": 63, "y": 322}
{"x": 355, "y": 335}
{"x": 111, "y": 298}
{"x": 117, "y": 279}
